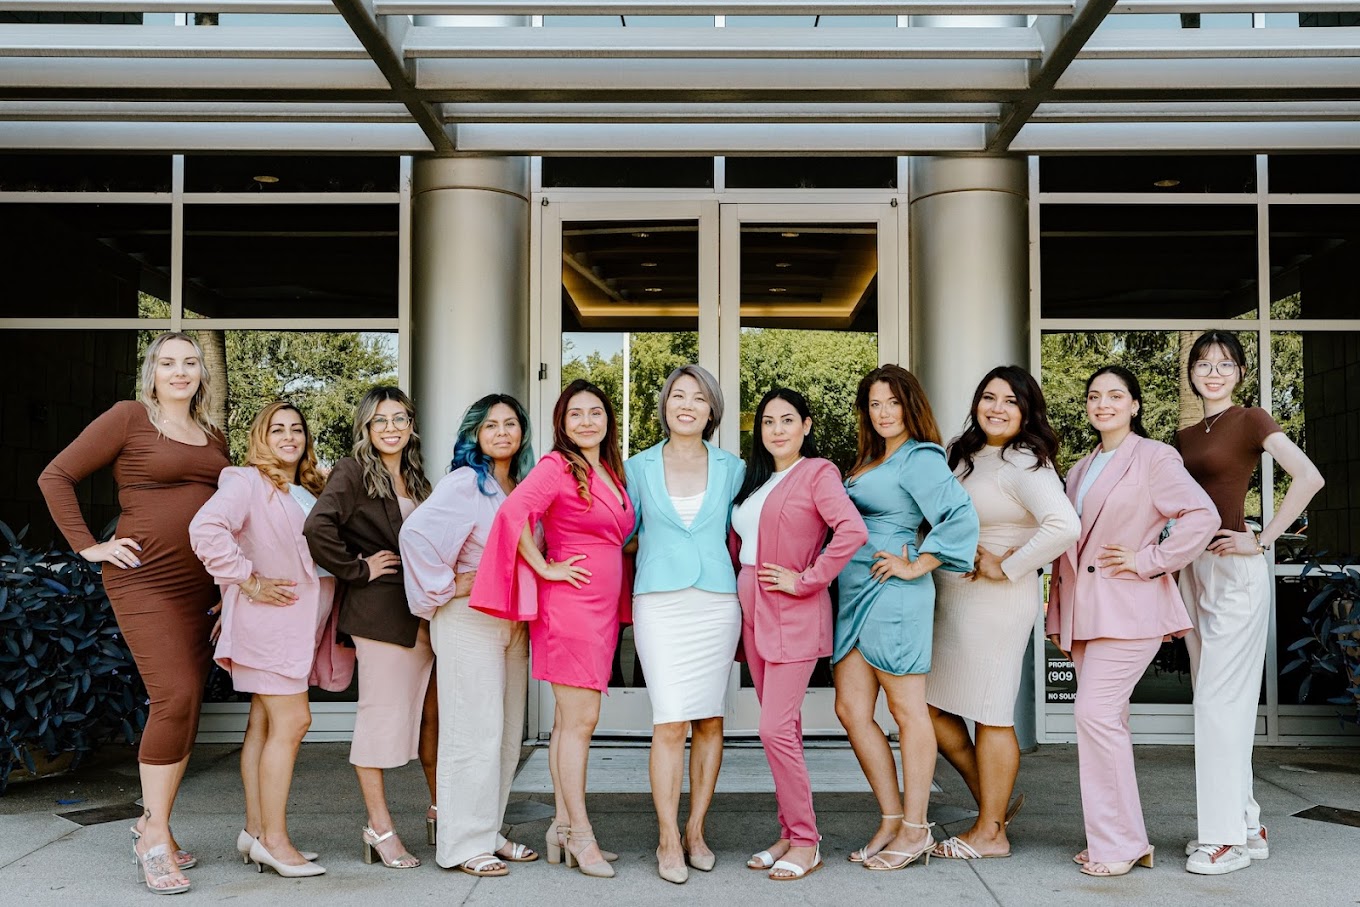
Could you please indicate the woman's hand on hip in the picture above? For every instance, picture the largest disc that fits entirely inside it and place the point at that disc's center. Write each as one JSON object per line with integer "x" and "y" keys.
{"x": 988, "y": 565}
{"x": 777, "y": 578}
{"x": 567, "y": 571}
{"x": 119, "y": 552}
{"x": 267, "y": 590}
{"x": 462, "y": 584}
{"x": 384, "y": 563}
{"x": 1227, "y": 542}
{"x": 888, "y": 565}
{"x": 1117, "y": 558}
{"x": 1057, "y": 644}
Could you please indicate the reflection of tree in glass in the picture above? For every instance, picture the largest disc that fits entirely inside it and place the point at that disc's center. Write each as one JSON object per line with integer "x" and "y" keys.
{"x": 324, "y": 373}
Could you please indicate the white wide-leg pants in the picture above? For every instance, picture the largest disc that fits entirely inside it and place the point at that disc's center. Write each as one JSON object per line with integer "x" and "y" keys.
{"x": 1228, "y": 598}
{"x": 482, "y": 669}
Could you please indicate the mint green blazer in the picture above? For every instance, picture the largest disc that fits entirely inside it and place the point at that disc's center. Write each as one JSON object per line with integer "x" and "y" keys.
{"x": 670, "y": 555}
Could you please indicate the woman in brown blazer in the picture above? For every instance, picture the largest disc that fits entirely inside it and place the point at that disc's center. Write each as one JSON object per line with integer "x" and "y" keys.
{"x": 352, "y": 532}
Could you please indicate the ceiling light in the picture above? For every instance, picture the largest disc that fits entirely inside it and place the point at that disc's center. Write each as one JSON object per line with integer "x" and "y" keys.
{"x": 642, "y": 235}
{"x": 651, "y": 289}
{"x": 779, "y": 289}
{"x": 1167, "y": 183}
{"x": 264, "y": 178}
{"x": 789, "y": 235}
{"x": 648, "y": 264}
{"x": 783, "y": 264}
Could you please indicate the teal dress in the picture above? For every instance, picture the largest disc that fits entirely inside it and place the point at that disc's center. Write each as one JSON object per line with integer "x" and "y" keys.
{"x": 892, "y": 623}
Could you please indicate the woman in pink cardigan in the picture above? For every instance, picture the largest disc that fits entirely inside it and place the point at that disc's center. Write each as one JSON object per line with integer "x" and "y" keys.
{"x": 277, "y": 624}
{"x": 788, "y": 502}
{"x": 574, "y": 598}
{"x": 1114, "y": 598}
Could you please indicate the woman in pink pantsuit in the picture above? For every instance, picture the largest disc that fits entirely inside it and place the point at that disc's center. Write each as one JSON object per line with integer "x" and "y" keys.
{"x": 574, "y": 598}
{"x": 1114, "y": 598}
{"x": 278, "y": 623}
{"x": 788, "y": 502}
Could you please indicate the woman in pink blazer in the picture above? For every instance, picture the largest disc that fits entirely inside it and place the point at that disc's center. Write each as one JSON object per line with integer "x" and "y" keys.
{"x": 277, "y": 624}
{"x": 1113, "y": 599}
{"x": 574, "y": 598}
{"x": 788, "y": 502}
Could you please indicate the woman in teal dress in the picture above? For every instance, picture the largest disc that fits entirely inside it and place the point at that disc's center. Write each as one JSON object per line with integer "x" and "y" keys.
{"x": 886, "y": 608}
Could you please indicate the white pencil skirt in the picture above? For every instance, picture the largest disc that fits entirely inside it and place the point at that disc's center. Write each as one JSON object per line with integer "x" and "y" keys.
{"x": 686, "y": 641}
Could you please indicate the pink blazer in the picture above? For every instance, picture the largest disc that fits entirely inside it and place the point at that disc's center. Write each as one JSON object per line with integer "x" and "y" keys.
{"x": 793, "y": 527}
{"x": 250, "y": 526}
{"x": 1142, "y": 486}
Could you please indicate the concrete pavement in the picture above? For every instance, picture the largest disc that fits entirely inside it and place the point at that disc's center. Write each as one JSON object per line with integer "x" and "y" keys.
{"x": 48, "y": 860}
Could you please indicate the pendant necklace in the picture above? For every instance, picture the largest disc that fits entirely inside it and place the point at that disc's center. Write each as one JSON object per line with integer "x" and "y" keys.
{"x": 1208, "y": 424}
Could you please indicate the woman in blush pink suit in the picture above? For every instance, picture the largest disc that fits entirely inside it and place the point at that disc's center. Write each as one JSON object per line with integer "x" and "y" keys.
{"x": 789, "y": 500}
{"x": 1113, "y": 599}
{"x": 278, "y": 624}
{"x": 574, "y": 598}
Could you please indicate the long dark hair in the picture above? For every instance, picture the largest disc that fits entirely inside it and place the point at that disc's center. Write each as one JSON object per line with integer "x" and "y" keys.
{"x": 1035, "y": 435}
{"x": 609, "y": 445}
{"x": 1135, "y": 391}
{"x": 917, "y": 417}
{"x": 377, "y": 480}
{"x": 467, "y": 450}
{"x": 760, "y": 462}
{"x": 1226, "y": 341}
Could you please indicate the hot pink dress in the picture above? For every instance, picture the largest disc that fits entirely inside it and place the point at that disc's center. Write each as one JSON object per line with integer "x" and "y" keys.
{"x": 572, "y": 632}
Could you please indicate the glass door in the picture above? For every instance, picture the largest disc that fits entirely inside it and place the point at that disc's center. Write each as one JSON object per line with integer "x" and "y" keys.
{"x": 810, "y": 300}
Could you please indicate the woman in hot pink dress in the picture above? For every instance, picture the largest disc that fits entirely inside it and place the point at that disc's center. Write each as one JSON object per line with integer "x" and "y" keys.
{"x": 574, "y": 598}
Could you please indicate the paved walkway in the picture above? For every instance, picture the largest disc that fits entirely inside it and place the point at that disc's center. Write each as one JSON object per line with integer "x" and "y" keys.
{"x": 49, "y": 860}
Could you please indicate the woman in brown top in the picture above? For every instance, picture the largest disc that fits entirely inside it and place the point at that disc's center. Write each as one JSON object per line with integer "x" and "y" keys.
{"x": 353, "y": 532}
{"x": 166, "y": 455}
{"x": 1227, "y": 593}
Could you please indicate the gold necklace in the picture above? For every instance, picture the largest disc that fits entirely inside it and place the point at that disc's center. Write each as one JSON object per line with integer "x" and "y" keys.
{"x": 1209, "y": 425}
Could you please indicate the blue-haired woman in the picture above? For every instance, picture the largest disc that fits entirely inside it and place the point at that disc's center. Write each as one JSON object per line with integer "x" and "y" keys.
{"x": 482, "y": 661}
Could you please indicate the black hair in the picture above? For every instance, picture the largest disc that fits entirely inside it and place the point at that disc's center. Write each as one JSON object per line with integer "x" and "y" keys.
{"x": 760, "y": 462}
{"x": 1225, "y": 340}
{"x": 1035, "y": 435}
{"x": 1135, "y": 391}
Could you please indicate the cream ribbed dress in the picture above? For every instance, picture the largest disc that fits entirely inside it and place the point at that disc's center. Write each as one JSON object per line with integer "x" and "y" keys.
{"x": 982, "y": 627}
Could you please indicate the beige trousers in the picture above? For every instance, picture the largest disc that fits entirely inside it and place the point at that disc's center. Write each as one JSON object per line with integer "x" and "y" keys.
{"x": 482, "y": 670}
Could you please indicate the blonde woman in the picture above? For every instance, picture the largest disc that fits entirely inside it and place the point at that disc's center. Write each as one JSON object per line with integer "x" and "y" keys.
{"x": 166, "y": 455}
{"x": 278, "y": 626}
{"x": 353, "y": 532}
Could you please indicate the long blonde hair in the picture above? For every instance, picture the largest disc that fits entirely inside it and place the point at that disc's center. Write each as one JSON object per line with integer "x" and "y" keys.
{"x": 200, "y": 407}
{"x": 377, "y": 480}
{"x": 260, "y": 455}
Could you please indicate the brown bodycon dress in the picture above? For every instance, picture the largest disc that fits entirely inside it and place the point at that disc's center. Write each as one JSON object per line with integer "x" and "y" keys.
{"x": 161, "y": 606}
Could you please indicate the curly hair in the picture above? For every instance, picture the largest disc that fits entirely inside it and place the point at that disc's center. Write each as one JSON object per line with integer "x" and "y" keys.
{"x": 609, "y": 446}
{"x": 260, "y": 455}
{"x": 377, "y": 480}
{"x": 1035, "y": 435}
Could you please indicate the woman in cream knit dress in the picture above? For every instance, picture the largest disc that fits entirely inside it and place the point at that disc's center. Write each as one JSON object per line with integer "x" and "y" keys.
{"x": 984, "y": 619}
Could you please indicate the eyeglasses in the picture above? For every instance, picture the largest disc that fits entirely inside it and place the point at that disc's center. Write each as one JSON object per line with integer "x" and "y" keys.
{"x": 1204, "y": 368}
{"x": 400, "y": 422}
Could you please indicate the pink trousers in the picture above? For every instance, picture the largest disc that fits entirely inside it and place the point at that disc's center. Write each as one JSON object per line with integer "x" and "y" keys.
{"x": 1107, "y": 671}
{"x": 780, "y": 688}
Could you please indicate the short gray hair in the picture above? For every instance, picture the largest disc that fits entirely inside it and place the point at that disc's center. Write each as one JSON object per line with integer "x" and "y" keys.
{"x": 707, "y": 383}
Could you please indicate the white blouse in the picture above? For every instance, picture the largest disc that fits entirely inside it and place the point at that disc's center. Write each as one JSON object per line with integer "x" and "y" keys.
{"x": 746, "y": 515}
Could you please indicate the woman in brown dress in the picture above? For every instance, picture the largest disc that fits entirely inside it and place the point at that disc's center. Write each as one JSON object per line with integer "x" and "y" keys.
{"x": 166, "y": 454}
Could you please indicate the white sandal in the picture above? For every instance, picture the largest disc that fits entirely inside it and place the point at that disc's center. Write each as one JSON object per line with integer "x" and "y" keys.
{"x": 481, "y": 864}
{"x": 859, "y": 856}
{"x": 514, "y": 852}
{"x": 764, "y": 858}
{"x": 908, "y": 857}
{"x": 956, "y": 848}
{"x": 797, "y": 872}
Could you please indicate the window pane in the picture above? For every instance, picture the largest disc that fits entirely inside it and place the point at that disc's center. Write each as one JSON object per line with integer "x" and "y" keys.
{"x": 84, "y": 173}
{"x": 1154, "y": 175}
{"x": 628, "y": 172}
{"x": 290, "y": 261}
{"x": 300, "y": 173}
{"x": 83, "y": 261}
{"x": 1148, "y": 261}
{"x": 1314, "y": 172}
{"x": 812, "y": 172}
{"x": 1313, "y": 261}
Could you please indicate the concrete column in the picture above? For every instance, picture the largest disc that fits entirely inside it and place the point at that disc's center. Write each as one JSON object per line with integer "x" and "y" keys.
{"x": 469, "y": 291}
{"x": 969, "y": 295}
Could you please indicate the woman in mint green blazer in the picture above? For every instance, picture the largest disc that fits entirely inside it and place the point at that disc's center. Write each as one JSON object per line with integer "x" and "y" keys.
{"x": 686, "y": 618}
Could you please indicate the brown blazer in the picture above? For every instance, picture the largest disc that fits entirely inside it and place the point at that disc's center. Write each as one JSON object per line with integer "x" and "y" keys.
{"x": 345, "y": 526}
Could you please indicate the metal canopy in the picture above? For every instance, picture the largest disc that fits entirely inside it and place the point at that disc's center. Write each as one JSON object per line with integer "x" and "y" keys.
{"x": 408, "y": 76}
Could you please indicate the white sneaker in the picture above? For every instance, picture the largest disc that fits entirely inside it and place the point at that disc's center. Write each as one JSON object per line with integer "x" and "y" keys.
{"x": 1258, "y": 847}
{"x": 1209, "y": 860}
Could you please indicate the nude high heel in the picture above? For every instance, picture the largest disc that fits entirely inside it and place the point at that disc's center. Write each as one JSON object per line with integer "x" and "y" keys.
{"x": 556, "y": 839}
{"x": 582, "y": 838}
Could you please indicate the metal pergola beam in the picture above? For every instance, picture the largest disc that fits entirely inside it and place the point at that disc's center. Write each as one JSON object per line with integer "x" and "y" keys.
{"x": 1169, "y": 138}
{"x": 315, "y": 7}
{"x": 1221, "y": 43}
{"x": 718, "y": 113}
{"x": 1218, "y": 7}
{"x": 170, "y": 42}
{"x": 213, "y": 138}
{"x": 200, "y": 112}
{"x": 765, "y": 138}
{"x": 731, "y": 8}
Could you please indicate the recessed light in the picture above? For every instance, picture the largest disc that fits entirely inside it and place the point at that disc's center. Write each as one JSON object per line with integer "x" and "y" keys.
{"x": 789, "y": 235}
{"x": 783, "y": 264}
{"x": 1167, "y": 183}
{"x": 647, "y": 264}
{"x": 651, "y": 289}
{"x": 642, "y": 235}
{"x": 265, "y": 178}
{"x": 779, "y": 289}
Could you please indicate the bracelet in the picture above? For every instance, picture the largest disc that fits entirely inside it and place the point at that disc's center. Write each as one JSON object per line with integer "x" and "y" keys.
{"x": 251, "y": 594}
{"x": 1260, "y": 547}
